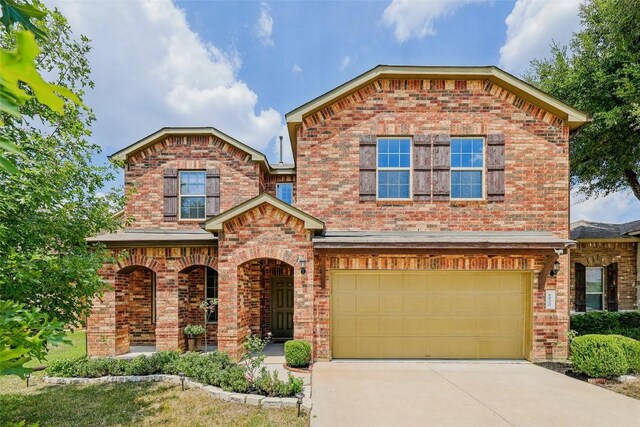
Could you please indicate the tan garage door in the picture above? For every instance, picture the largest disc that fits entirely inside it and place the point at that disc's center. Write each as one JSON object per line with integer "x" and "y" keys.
{"x": 429, "y": 314}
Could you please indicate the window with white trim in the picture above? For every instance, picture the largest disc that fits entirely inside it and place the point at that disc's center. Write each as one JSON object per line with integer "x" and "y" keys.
{"x": 284, "y": 192}
{"x": 467, "y": 168}
{"x": 394, "y": 168}
{"x": 594, "y": 288}
{"x": 192, "y": 194}
{"x": 211, "y": 291}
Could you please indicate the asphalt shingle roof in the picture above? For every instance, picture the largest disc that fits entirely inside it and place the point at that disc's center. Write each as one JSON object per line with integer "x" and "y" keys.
{"x": 603, "y": 230}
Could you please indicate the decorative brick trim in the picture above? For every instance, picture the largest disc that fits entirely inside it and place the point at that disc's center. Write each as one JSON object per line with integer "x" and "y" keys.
{"x": 139, "y": 261}
{"x": 196, "y": 260}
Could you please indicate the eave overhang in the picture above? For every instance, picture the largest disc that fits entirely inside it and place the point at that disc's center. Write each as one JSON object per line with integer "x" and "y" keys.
{"x": 573, "y": 117}
{"x": 155, "y": 238}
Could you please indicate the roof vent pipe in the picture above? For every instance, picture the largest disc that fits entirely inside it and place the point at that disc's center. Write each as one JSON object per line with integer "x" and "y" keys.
{"x": 280, "y": 149}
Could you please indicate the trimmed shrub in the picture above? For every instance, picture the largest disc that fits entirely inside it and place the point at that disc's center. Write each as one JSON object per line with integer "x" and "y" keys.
{"x": 269, "y": 384}
{"x": 598, "y": 356}
{"x": 297, "y": 353}
{"x": 631, "y": 350}
{"x": 625, "y": 323}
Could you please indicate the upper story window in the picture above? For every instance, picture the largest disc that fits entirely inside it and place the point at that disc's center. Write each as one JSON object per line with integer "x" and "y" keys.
{"x": 594, "y": 289}
{"x": 192, "y": 194}
{"x": 284, "y": 192}
{"x": 394, "y": 168}
{"x": 467, "y": 168}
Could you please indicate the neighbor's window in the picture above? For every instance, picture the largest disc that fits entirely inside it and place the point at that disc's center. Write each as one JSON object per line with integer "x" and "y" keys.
{"x": 467, "y": 168}
{"x": 211, "y": 291}
{"x": 394, "y": 168}
{"x": 284, "y": 192}
{"x": 192, "y": 195}
{"x": 595, "y": 289}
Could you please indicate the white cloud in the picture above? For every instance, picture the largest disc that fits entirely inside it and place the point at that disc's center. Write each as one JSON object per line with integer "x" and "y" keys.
{"x": 532, "y": 26}
{"x": 265, "y": 26}
{"x": 615, "y": 208}
{"x": 151, "y": 70}
{"x": 296, "y": 69}
{"x": 345, "y": 62}
{"x": 414, "y": 19}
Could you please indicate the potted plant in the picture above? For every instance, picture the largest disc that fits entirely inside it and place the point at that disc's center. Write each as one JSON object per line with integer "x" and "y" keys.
{"x": 193, "y": 332}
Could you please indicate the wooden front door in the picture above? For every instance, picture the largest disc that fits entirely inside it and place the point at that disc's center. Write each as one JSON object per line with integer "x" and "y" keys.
{"x": 282, "y": 307}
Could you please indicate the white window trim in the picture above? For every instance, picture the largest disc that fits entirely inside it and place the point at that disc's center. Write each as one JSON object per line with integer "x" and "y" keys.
{"x": 206, "y": 274}
{"x": 191, "y": 195}
{"x": 285, "y": 183}
{"x": 482, "y": 169}
{"x": 586, "y": 292}
{"x": 388, "y": 169}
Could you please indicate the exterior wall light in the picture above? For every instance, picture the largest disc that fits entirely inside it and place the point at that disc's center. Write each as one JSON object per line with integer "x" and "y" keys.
{"x": 300, "y": 396}
{"x": 303, "y": 265}
{"x": 555, "y": 269}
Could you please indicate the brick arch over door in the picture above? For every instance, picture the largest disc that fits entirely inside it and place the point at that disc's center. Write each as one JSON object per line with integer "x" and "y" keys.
{"x": 138, "y": 261}
{"x": 257, "y": 252}
{"x": 196, "y": 260}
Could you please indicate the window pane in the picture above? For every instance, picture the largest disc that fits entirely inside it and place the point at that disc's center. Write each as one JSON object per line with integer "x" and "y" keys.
{"x": 403, "y": 178}
{"x": 467, "y": 146}
{"x": 394, "y": 160}
{"x": 394, "y": 146}
{"x": 383, "y": 160}
{"x": 383, "y": 191}
{"x": 211, "y": 291}
{"x": 594, "y": 302}
{"x": 284, "y": 192}
{"x": 192, "y": 207}
{"x": 455, "y": 191}
{"x": 192, "y": 183}
{"x": 405, "y": 146}
{"x": 405, "y": 161}
{"x": 477, "y": 146}
{"x": 476, "y": 191}
{"x": 455, "y": 146}
{"x": 394, "y": 184}
{"x": 476, "y": 160}
{"x": 594, "y": 279}
{"x": 466, "y": 184}
{"x": 383, "y": 146}
{"x": 456, "y": 160}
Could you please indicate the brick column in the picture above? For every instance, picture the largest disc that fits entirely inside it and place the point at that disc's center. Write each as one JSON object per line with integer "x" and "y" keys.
{"x": 167, "y": 309}
{"x": 303, "y": 300}
{"x": 228, "y": 307}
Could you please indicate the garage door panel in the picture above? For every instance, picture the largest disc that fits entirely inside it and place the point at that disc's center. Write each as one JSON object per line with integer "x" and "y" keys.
{"x": 436, "y": 314}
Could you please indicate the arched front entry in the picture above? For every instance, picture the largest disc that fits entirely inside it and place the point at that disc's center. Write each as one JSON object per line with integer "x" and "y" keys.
{"x": 136, "y": 308}
{"x": 266, "y": 288}
{"x": 196, "y": 284}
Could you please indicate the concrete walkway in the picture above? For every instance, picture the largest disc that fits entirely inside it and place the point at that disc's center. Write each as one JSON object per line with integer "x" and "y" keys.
{"x": 460, "y": 394}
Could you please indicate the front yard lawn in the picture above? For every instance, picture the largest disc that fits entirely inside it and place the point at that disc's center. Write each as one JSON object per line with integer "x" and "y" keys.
{"x": 133, "y": 404}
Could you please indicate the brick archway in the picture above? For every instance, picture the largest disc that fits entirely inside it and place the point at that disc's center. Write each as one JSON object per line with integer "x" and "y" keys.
{"x": 245, "y": 255}
{"x": 125, "y": 264}
{"x": 196, "y": 260}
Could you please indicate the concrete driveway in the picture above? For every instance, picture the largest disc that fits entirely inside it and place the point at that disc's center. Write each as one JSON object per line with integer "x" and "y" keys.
{"x": 460, "y": 394}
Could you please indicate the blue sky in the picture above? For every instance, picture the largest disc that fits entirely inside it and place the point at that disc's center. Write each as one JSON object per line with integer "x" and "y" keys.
{"x": 240, "y": 66}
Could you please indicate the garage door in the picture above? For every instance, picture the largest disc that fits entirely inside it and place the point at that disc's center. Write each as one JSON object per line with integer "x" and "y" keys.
{"x": 429, "y": 314}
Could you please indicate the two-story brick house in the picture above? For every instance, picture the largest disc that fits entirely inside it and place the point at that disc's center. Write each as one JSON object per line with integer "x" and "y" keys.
{"x": 426, "y": 215}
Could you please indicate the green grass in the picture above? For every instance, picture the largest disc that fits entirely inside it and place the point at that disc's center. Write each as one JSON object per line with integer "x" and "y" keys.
{"x": 133, "y": 404}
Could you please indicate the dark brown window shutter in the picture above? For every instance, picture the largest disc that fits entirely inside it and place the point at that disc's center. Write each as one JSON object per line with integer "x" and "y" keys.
{"x": 171, "y": 194}
{"x": 612, "y": 287}
{"x": 441, "y": 166}
{"x": 581, "y": 287}
{"x": 368, "y": 167}
{"x": 422, "y": 167}
{"x": 495, "y": 167}
{"x": 213, "y": 192}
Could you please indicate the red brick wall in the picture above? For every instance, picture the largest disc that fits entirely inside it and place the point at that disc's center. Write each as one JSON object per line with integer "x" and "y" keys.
{"x": 601, "y": 254}
{"x": 239, "y": 176}
{"x": 142, "y": 328}
{"x": 537, "y": 158}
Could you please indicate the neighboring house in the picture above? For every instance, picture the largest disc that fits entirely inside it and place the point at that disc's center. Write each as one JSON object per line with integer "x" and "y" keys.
{"x": 423, "y": 219}
{"x": 604, "y": 266}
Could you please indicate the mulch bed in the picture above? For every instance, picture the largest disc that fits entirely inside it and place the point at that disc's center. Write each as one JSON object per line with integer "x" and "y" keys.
{"x": 298, "y": 370}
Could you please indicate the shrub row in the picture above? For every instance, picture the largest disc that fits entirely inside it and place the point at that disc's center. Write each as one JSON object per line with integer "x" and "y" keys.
{"x": 212, "y": 369}
{"x": 605, "y": 356}
{"x": 625, "y": 323}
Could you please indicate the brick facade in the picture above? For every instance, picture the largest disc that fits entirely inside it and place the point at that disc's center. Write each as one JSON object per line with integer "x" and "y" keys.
{"x": 266, "y": 241}
{"x": 603, "y": 253}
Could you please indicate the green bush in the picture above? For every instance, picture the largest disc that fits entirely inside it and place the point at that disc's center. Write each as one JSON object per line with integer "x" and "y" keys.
{"x": 631, "y": 350}
{"x": 297, "y": 353}
{"x": 625, "y": 323}
{"x": 215, "y": 369}
{"x": 599, "y": 356}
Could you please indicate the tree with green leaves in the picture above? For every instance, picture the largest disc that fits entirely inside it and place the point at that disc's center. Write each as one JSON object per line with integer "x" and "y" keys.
{"x": 599, "y": 73}
{"x": 49, "y": 201}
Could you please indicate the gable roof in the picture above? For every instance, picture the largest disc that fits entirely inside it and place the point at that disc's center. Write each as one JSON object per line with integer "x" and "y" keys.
{"x": 164, "y": 132}
{"x": 603, "y": 230}
{"x": 216, "y": 223}
{"x": 574, "y": 118}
